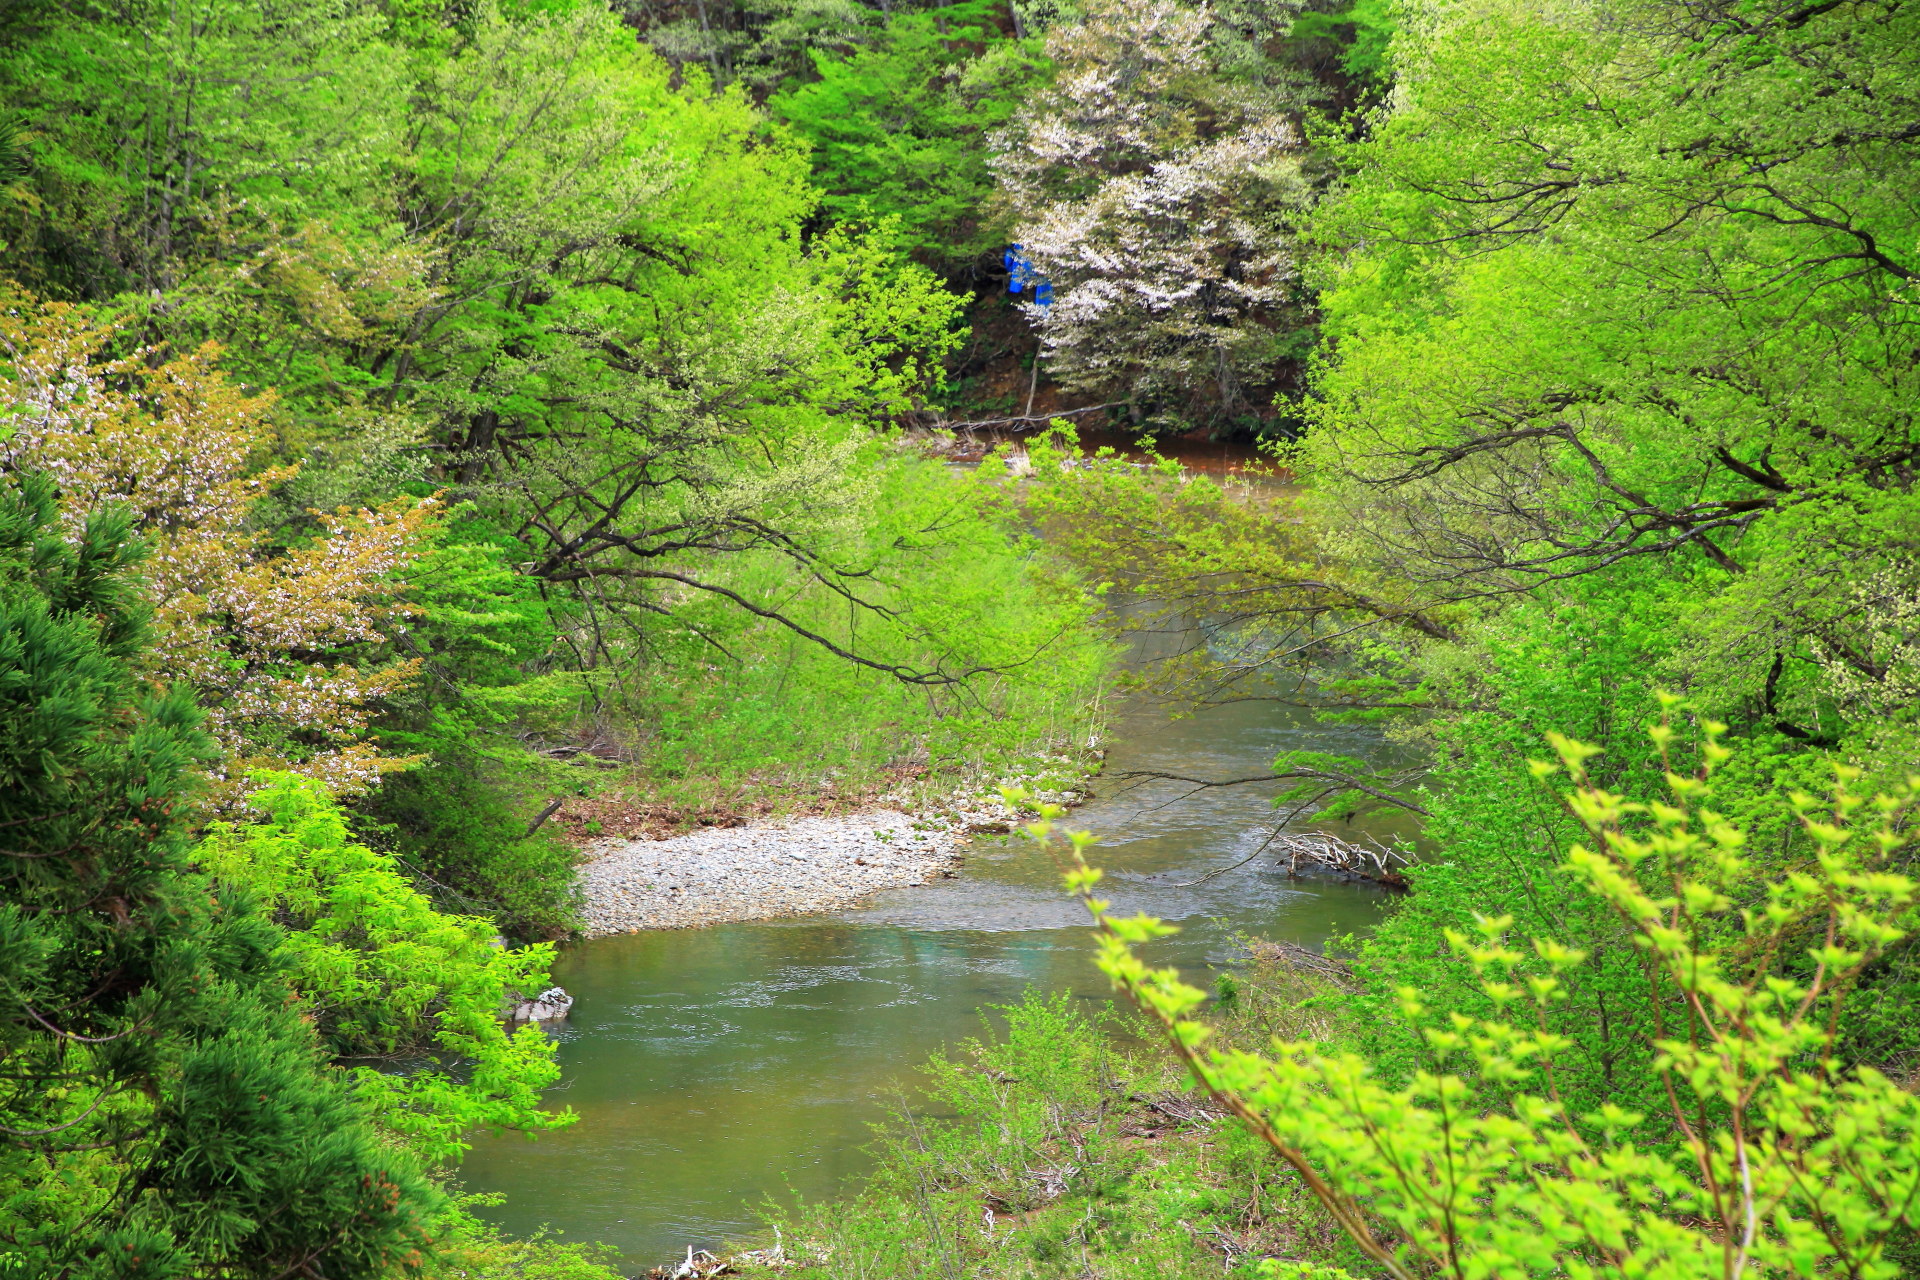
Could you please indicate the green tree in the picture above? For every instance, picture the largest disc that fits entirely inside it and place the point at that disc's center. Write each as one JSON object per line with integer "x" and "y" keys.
{"x": 652, "y": 379}
{"x": 170, "y": 133}
{"x": 1603, "y": 291}
{"x": 900, "y": 126}
{"x": 1643, "y": 288}
{"x": 640, "y": 368}
{"x": 165, "y": 1109}
{"x": 384, "y": 975}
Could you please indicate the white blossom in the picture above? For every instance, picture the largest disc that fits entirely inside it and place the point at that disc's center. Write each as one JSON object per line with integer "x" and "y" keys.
{"x": 1153, "y": 191}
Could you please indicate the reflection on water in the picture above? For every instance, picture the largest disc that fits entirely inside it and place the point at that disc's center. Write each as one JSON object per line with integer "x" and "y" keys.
{"x": 714, "y": 1068}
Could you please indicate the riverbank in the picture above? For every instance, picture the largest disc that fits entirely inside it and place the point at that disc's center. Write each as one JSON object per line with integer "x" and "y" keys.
{"x": 761, "y": 871}
{"x": 715, "y": 1067}
{"x": 777, "y": 867}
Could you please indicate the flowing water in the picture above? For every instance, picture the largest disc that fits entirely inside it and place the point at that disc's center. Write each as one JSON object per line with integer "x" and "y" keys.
{"x": 714, "y": 1068}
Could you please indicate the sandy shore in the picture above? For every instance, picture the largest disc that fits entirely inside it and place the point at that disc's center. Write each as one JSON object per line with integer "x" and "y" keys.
{"x": 769, "y": 869}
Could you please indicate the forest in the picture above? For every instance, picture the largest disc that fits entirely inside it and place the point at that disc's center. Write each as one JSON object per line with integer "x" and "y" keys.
{"x": 431, "y": 429}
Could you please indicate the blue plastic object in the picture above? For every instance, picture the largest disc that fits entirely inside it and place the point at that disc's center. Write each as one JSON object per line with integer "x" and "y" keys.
{"x": 1020, "y": 275}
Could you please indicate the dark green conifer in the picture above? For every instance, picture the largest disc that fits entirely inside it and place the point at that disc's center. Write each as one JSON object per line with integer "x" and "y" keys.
{"x": 164, "y": 1109}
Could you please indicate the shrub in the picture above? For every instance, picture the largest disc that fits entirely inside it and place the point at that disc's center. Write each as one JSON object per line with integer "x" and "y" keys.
{"x": 383, "y": 974}
{"x": 1778, "y": 1155}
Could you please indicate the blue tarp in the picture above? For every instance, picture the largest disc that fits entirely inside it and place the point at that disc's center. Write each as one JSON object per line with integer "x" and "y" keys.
{"x": 1020, "y": 274}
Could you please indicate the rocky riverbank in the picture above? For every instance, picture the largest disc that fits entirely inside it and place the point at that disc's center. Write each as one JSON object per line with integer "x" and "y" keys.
{"x": 770, "y": 868}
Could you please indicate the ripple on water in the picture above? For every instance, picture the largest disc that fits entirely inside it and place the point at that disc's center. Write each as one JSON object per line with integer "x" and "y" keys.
{"x": 714, "y": 1067}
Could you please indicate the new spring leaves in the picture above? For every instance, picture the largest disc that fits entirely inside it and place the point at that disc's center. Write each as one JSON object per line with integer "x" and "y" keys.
{"x": 1774, "y": 1158}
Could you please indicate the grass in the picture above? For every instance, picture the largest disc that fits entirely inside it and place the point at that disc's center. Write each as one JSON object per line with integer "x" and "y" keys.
{"x": 1063, "y": 1144}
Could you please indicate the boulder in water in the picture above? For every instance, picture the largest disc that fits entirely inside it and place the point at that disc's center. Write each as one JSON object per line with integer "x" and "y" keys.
{"x": 549, "y": 1006}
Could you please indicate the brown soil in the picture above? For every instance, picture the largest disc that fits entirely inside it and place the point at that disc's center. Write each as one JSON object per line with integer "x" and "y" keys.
{"x": 619, "y": 811}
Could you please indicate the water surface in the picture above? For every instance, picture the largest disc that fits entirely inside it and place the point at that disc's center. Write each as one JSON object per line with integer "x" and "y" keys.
{"x": 715, "y": 1068}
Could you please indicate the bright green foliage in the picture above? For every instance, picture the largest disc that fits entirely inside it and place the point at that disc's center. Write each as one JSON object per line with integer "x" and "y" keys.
{"x": 900, "y": 126}
{"x": 383, "y": 974}
{"x": 1643, "y": 287}
{"x": 1498, "y": 838}
{"x": 473, "y": 1249}
{"x": 160, "y": 130}
{"x": 678, "y": 425}
{"x": 166, "y": 1111}
{"x": 1578, "y": 665}
{"x": 1277, "y": 1270}
{"x": 956, "y": 588}
{"x": 1052, "y": 1149}
{"x": 489, "y": 647}
{"x": 1364, "y": 29}
{"x": 1780, "y": 1158}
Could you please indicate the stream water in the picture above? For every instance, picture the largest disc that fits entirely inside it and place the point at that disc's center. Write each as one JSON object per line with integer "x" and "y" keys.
{"x": 714, "y": 1068}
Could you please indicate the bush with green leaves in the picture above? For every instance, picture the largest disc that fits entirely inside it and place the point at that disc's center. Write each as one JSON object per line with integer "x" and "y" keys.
{"x": 474, "y": 1249}
{"x": 1054, "y": 1147}
{"x": 382, "y": 974}
{"x": 1773, "y": 1154}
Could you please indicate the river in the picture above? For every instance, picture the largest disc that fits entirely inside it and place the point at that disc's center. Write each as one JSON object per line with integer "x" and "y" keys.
{"x": 715, "y": 1068}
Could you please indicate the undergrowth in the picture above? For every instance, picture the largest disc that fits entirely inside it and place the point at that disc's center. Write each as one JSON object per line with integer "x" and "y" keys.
{"x": 1060, "y": 1143}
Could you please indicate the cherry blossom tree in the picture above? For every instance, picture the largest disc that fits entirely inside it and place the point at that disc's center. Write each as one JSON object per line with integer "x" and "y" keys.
{"x": 1153, "y": 183}
{"x": 273, "y": 640}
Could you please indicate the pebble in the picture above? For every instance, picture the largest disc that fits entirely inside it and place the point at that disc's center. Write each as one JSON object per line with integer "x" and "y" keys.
{"x": 770, "y": 869}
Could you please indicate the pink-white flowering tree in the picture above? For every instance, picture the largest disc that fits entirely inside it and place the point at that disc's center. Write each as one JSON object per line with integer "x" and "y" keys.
{"x": 1153, "y": 183}
{"x": 272, "y": 639}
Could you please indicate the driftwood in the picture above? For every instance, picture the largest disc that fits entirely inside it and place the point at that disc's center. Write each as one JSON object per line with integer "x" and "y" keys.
{"x": 1178, "y": 1107}
{"x": 1370, "y": 861}
{"x": 1051, "y": 1182}
{"x": 1366, "y": 860}
{"x": 700, "y": 1264}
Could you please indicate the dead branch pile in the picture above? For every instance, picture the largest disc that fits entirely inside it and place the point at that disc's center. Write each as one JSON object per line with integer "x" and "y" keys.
{"x": 1178, "y": 1107}
{"x": 1369, "y": 860}
{"x": 1291, "y": 955}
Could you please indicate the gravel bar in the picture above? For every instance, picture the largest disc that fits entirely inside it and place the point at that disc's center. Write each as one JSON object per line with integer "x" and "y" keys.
{"x": 769, "y": 869}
